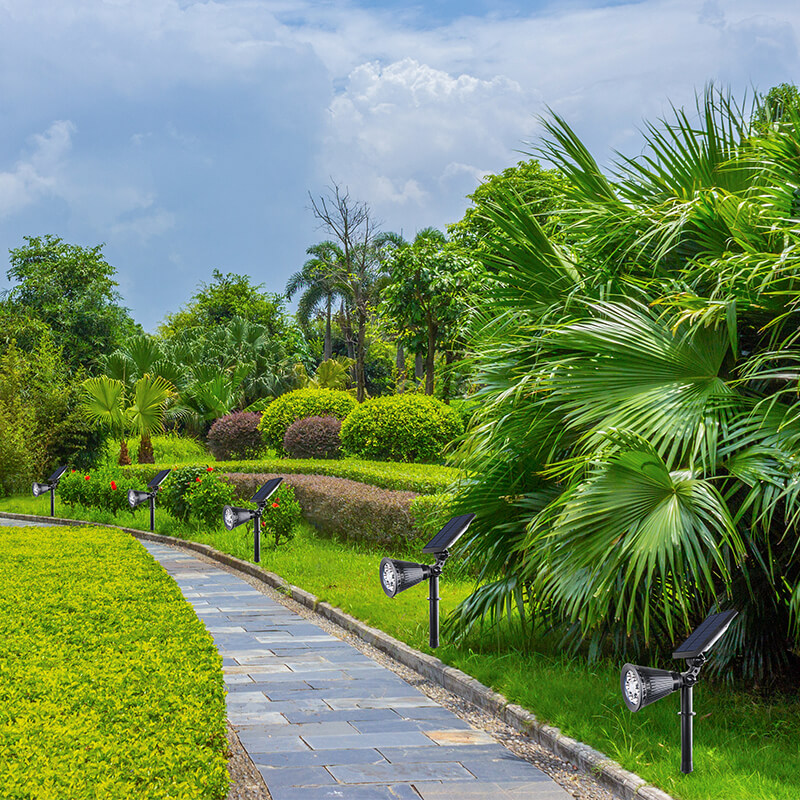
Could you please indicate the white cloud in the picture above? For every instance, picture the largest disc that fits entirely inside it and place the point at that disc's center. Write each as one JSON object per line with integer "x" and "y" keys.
{"x": 37, "y": 174}
{"x": 405, "y": 133}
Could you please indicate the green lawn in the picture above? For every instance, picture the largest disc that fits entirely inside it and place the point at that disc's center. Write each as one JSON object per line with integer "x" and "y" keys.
{"x": 111, "y": 687}
{"x": 745, "y": 748}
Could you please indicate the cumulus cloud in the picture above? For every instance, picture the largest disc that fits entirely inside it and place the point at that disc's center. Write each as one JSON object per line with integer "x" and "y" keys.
{"x": 406, "y": 133}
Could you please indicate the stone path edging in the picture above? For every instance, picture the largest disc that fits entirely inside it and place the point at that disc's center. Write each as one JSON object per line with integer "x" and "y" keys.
{"x": 606, "y": 771}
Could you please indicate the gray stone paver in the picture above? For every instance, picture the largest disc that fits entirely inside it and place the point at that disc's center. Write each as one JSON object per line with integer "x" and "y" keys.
{"x": 321, "y": 720}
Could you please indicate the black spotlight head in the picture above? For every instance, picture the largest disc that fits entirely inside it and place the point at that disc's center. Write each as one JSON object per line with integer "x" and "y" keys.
{"x": 234, "y": 517}
{"x": 40, "y": 489}
{"x": 135, "y": 497}
{"x": 642, "y": 686}
{"x": 397, "y": 576}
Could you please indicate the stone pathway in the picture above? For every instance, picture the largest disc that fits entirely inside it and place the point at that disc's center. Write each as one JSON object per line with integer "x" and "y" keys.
{"x": 321, "y": 720}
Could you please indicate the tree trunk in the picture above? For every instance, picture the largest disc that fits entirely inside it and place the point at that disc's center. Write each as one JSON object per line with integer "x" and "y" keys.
{"x": 400, "y": 363}
{"x": 327, "y": 349}
{"x": 361, "y": 383}
{"x": 124, "y": 458}
{"x": 418, "y": 367}
{"x": 146, "y": 450}
{"x": 433, "y": 330}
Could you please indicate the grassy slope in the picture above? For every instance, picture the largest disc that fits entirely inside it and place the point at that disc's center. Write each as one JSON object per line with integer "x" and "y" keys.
{"x": 744, "y": 749}
{"x": 111, "y": 686}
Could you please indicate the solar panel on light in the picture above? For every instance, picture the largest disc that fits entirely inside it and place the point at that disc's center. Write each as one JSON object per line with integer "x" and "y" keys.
{"x": 449, "y": 534}
{"x": 706, "y": 636}
{"x": 266, "y": 490}
{"x": 159, "y": 479}
{"x": 57, "y": 474}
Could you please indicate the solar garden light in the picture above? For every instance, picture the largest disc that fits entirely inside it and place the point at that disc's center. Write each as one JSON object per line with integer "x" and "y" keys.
{"x": 136, "y": 497}
{"x": 233, "y": 517}
{"x": 50, "y": 486}
{"x": 642, "y": 686}
{"x": 397, "y": 576}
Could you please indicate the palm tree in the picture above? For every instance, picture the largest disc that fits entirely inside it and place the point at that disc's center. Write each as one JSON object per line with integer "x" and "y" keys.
{"x": 105, "y": 404}
{"x": 320, "y": 276}
{"x": 635, "y": 456}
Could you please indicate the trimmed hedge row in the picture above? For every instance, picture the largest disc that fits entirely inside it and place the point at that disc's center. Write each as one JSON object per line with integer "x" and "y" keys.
{"x": 422, "y": 478}
{"x": 356, "y": 511}
{"x": 112, "y": 686}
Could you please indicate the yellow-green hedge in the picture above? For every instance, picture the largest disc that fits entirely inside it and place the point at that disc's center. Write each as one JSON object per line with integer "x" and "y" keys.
{"x": 111, "y": 687}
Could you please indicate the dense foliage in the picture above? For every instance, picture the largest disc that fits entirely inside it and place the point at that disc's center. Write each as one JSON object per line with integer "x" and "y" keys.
{"x": 634, "y": 460}
{"x": 405, "y": 427}
{"x": 313, "y": 437}
{"x": 71, "y": 289}
{"x": 104, "y": 489}
{"x": 235, "y": 436}
{"x": 110, "y": 682}
{"x": 301, "y": 403}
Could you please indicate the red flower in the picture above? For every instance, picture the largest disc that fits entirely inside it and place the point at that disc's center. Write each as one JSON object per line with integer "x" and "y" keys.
{"x": 73, "y": 472}
{"x": 197, "y": 479}
{"x": 86, "y": 477}
{"x": 209, "y": 469}
{"x": 113, "y": 486}
{"x": 274, "y": 505}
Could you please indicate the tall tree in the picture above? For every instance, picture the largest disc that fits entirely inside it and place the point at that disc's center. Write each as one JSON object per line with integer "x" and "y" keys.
{"x": 430, "y": 286}
{"x": 72, "y": 290}
{"x": 351, "y": 224}
{"x": 321, "y": 277}
{"x": 227, "y": 296}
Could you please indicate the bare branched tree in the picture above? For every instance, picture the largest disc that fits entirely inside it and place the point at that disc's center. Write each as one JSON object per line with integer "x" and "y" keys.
{"x": 351, "y": 224}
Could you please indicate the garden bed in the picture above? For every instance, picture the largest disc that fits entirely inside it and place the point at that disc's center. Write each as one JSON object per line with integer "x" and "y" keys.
{"x": 111, "y": 685}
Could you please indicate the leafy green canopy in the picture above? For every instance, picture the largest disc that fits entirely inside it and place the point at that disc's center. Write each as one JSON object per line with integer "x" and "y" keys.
{"x": 634, "y": 462}
{"x": 70, "y": 289}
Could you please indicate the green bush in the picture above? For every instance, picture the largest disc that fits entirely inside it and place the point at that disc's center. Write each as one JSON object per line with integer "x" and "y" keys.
{"x": 301, "y": 403}
{"x": 112, "y": 687}
{"x": 105, "y": 489}
{"x": 206, "y": 497}
{"x": 405, "y": 427}
{"x": 174, "y": 494}
{"x": 281, "y": 514}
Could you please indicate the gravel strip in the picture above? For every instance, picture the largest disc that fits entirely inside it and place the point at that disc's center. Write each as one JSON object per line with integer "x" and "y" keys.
{"x": 246, "y": 780}
{"x": 578, "y": 784}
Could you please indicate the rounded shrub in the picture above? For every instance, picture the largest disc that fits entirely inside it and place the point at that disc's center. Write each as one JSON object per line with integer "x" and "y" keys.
{"x": 313, "y": 437}
{"x": 235, "y": 436}
{"x": 403, "y": 427}
{"x": 173, "y": 496}
{"x": 299, "y": 404}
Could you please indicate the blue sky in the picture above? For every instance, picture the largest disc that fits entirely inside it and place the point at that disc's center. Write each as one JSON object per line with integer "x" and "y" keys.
{"x": 187, "y": 135}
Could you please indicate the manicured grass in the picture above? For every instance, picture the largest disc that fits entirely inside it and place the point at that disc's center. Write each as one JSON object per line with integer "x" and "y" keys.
{"x": 745, "y": 747}
{"x": 111, "y": 686}
{"x": 422, "y": 478}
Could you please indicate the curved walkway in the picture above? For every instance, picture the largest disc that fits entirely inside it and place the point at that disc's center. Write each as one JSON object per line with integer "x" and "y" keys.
{"x": 321, "y": 720}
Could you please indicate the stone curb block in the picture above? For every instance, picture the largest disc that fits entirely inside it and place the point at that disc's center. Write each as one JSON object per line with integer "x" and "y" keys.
{"x": 626, "y": 785}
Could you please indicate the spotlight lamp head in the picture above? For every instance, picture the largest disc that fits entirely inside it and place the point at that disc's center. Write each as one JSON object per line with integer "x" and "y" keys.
{"x": 136, "y": 497}
{"x": 233, "y": 517}
{"x": 40, "y": 489}
{"x": 642, "y": 686}
{"x": 397, "y": 576}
